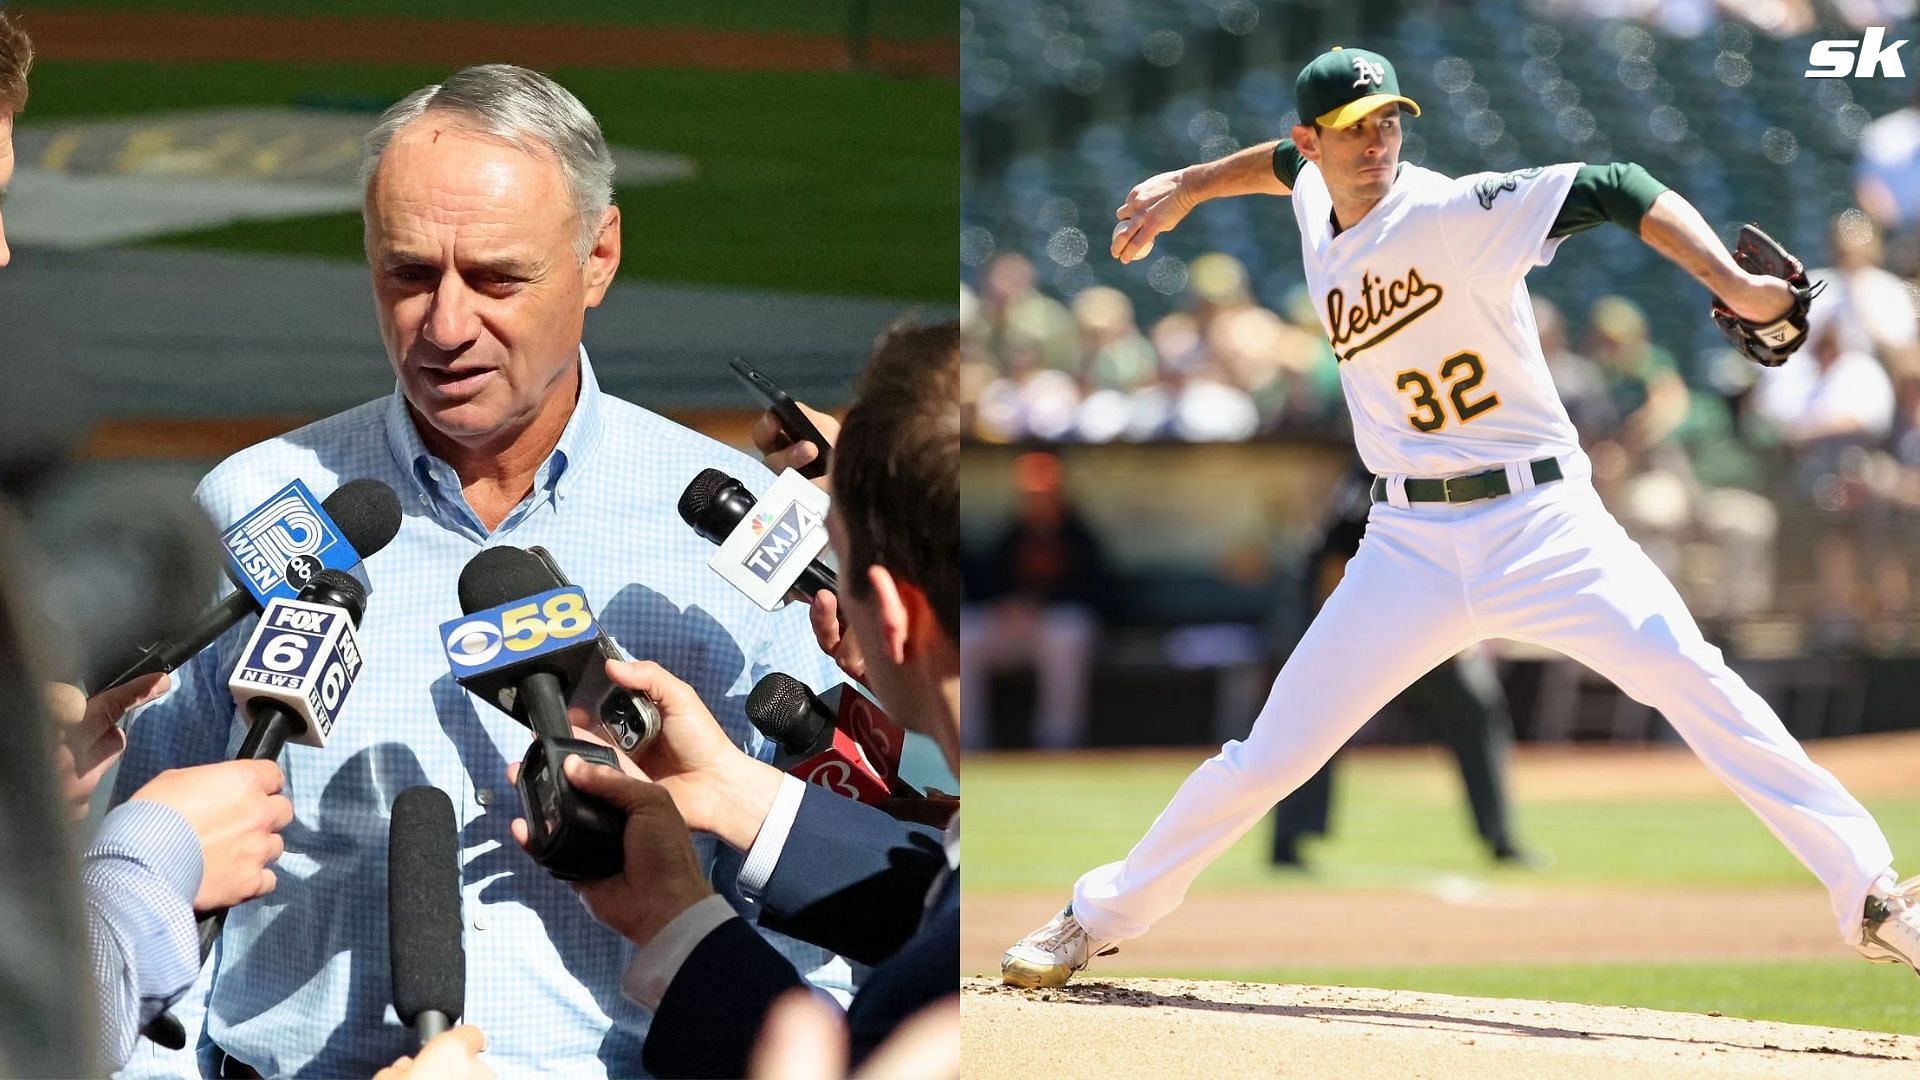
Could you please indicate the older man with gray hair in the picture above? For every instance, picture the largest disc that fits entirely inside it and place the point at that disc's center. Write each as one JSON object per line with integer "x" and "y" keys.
{"x": 490, "y": 230}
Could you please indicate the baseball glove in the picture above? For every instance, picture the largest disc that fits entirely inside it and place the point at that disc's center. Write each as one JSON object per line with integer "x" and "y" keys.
{"x": 1768, "y": 344}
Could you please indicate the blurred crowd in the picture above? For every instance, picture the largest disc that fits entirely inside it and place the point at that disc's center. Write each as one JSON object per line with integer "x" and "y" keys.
{"x": 1688, "y": 18}
{"x": 1719, "y": 468}
{"x": 1223, "y": 367}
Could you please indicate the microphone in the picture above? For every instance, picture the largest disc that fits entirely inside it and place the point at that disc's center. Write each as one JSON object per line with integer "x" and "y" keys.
{"x": 812, "y": 746}
{"x": 715, "y": 504}
{"x": 367, "y": 514}
{"x": 292, "y": 680}
{"x": 525, "y": 661}
{"x": 523, "y": 645}
{"x": 297, "y": 668}
{"x": 423, "y": 912}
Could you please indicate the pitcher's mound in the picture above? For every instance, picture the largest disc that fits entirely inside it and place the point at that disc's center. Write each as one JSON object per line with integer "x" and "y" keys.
{"x": 1190, "y": 1028}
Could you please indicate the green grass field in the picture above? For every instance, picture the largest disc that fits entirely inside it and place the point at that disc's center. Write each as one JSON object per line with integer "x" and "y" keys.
{"x": 1831, "y": 993}
{"x": 903, "y": 19}
{"x": 831, "y": 184}
{"x": 1400, "y": 822}
{"x": 1036, "y": 824}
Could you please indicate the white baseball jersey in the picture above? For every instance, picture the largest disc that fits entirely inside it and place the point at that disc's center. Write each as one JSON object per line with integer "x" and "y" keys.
{"x": 1426, "y": 305}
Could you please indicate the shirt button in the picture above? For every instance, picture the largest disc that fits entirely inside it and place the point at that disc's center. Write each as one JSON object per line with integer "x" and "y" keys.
{"x": 480, "y": 921}
{"x": 484, "y": 796}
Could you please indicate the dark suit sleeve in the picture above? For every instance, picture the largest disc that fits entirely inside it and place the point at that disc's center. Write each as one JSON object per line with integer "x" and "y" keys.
{"x": 716, "y": 1004}
{"x": 925, "y": 970}
{"x": 850, "y": 878}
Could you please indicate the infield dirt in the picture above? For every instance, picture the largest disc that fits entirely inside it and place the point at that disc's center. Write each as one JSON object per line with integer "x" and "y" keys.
{"x": 1169, "y": 1027}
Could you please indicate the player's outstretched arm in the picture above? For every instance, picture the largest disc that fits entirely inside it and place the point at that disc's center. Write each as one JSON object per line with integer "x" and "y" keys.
{"x": 1158, "y": 203}
{"x": 1676, "y": 230}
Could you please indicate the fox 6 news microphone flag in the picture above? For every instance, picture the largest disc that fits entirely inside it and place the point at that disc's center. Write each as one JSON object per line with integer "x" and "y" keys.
{"x": 292, "y": 681}
{"x": 303, "y": 656}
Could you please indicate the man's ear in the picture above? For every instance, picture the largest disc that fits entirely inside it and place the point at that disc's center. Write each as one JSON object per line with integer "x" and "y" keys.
{"x": 1308, "y": 142}
{"x": 604, "y": 258}
{"x": 905, "y": 615}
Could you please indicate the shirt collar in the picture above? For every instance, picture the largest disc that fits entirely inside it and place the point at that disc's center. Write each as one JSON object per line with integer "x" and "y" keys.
{"x": 556, "y": 474}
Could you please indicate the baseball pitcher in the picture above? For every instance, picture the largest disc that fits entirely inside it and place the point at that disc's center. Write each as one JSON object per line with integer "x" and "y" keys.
{"x": 1484, "y": 521}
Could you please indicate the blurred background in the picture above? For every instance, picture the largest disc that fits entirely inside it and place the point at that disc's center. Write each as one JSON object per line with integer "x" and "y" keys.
{"x": 185, "y": 212}
{"x": 1154, "y": 477}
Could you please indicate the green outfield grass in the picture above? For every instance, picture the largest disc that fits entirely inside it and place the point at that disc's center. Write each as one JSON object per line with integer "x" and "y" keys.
{"x": 1037, "y": 823}
{"x": 832, "y": 184}
{"x": 905, "y": 19}
{"x": 1830, "y": 993}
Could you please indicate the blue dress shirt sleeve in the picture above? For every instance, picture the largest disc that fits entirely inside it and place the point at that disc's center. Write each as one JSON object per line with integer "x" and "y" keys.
{"x": 139, "y": 879}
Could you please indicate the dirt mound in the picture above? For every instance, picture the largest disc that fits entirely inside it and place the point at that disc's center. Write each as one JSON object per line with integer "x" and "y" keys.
{"x": 1220, "y": 931}
{"x": 1163, "y": 1027}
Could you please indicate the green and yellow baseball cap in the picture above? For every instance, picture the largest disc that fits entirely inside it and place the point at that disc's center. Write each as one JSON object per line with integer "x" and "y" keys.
{"x": 1339, "y": 87}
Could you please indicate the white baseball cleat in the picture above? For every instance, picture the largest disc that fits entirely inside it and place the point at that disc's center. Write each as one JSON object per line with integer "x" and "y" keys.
{"x": 1050, "y": 955}
{"x": 1890, "y": 928}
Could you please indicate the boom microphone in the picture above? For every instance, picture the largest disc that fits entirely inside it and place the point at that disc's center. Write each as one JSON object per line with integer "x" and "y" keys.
{"x": 368, "y": 515}
{"x": 812, "y": 746}
{"x": 423, "y": 912}
{"x": 715, "y": 504}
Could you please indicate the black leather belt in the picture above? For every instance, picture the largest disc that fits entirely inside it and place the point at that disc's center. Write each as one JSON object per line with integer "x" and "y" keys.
{"x": 1465, "y": 489}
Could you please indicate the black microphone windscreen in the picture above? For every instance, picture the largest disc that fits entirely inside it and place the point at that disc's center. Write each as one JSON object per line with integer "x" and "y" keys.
{"x": 339, "y": 588}
{"x": 700, "y": 494}
{"x": 367, "y": 511}
{"x": 423, "y": 906}
{"x": 500, "y": 574}
{"x": 781, "y": 707}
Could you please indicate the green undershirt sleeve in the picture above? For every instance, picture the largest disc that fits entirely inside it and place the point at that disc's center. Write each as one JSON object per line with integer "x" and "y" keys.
{"x": 1620, "y": 193}
{"x": 1288, "y": 161}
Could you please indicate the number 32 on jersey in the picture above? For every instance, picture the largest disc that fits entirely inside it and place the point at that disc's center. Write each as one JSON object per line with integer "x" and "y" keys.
{"x": 1461, "y": 374}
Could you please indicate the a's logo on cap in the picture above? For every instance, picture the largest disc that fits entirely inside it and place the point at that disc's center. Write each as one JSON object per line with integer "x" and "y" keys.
{"x": 1369, "y": 72}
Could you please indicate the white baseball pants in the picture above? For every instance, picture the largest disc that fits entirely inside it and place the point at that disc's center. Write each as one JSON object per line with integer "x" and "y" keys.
{"x": 1547, "y": 565}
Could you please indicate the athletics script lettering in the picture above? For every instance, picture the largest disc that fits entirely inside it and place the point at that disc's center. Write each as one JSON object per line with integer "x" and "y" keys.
{"x": 1381, "y": 303}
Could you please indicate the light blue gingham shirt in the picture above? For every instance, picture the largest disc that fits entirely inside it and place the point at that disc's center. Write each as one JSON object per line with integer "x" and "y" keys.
{"x": 139, "y": 878}
{"x": 300, "y": 981}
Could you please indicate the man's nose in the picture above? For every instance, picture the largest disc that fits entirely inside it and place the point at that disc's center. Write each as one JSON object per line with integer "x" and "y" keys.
{"x": 452, "y": 320}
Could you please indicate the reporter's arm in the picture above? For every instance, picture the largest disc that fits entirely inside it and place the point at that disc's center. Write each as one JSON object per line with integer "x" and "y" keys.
{"x": 139, "y": 878}
{"x": 705, "y": 1021}
{"x": 846, "y": 876}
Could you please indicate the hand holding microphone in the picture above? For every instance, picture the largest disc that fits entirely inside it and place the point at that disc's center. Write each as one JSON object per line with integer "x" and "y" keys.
{"x": 90, "y": 738}
{"x": 451, "y": 1055}
{"x": 660, "y": 876}
{"x": 717, "y": 787}
{"x": 236, "y": 810}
